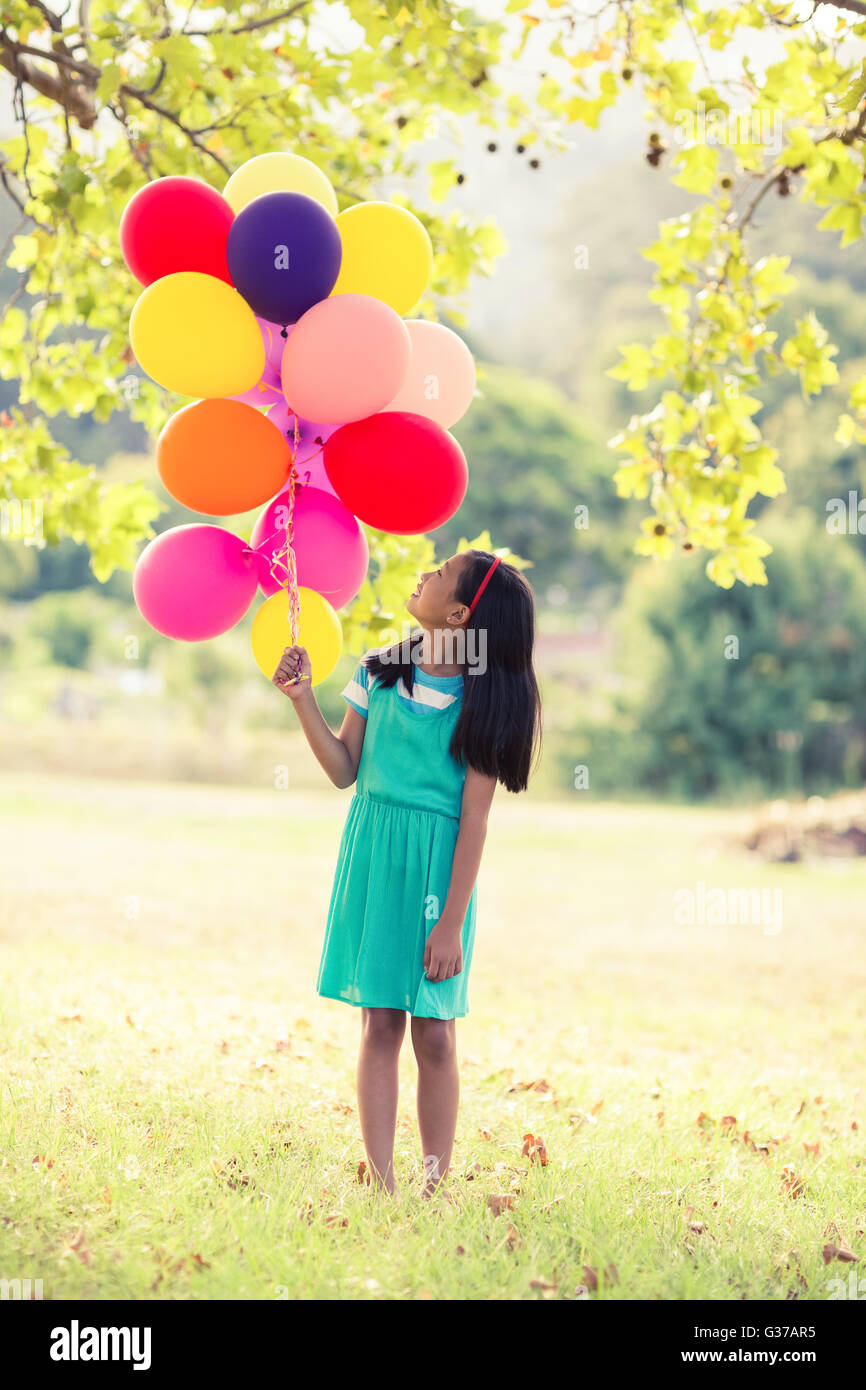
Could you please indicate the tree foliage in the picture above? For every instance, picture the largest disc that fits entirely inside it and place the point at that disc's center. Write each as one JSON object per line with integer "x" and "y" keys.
{"x": 796, "y": 129}
{"x": 109, "y": 97}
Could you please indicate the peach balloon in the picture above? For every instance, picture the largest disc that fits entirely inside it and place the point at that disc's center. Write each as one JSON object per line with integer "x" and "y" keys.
{"x": 440, "y": 382}
{"x": 346, "y": 359}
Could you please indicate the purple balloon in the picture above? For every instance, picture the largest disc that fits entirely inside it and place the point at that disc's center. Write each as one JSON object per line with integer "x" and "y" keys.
{"x": 268, "y": 390}
{"x": 284, "y": 254}
{"x": 330, "y": 548}
{"x": 194, "y": 582}
{"x": 274, "y": 338}
{"x": 309, "y": 460}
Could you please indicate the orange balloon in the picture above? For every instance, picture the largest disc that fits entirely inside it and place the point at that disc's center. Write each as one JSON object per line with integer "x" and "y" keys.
{"x": 220, "y": 456}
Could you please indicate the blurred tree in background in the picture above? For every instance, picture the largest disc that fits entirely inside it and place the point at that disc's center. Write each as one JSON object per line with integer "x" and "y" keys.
{"x": 759, "y": 691}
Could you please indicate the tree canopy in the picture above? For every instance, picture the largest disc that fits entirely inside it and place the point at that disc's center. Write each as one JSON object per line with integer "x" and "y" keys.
{"x": 108, "y": 97}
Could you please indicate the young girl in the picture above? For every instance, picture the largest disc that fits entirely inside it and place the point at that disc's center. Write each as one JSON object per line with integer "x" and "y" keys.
{"x": 433, "y": 724}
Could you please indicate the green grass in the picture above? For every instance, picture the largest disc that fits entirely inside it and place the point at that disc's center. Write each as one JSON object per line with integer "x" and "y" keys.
{"x": 178, "y": 1105}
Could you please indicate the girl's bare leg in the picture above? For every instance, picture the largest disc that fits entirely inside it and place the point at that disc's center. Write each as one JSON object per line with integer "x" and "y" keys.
{"x": 382, "y": 1032}
{"x": 435, "y": 1044}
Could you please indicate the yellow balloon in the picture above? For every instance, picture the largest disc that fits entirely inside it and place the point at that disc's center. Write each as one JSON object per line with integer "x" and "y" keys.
{"x": 319, "y": 631}
{"x": 195, "y": 335}
{"x": 279, "y": 173}
{"x": 386, "y": 254}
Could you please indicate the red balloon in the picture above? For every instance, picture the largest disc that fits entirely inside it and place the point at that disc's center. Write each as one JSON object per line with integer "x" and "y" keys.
{"x": 174, "y": 224}
{"x": 397, "y": 471}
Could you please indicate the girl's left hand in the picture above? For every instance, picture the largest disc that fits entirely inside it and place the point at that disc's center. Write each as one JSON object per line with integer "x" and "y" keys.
{"x": 443, "y": 954}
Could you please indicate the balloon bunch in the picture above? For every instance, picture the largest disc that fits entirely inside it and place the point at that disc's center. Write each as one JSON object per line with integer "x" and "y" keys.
{"x": 314, "y": 395}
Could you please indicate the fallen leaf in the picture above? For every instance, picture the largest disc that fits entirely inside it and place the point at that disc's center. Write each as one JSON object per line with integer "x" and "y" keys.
{"x": 76, "y": 1247}
{"x": 534, "y": 1149}
{"x": 792, "y": 1186}
{"x": 835, "y": 1252}
{"x": 543, "y": 1285}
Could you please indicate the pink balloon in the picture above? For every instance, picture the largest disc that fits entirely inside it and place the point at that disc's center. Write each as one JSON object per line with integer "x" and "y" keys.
{"x": 309, "y": 460}
{"x": 440, "y": 382}
{"x": 347, "y": 358}
{"x": 330, "y": 548}
{"x": 194, "y": 582}
{"x": 267, "y": 391}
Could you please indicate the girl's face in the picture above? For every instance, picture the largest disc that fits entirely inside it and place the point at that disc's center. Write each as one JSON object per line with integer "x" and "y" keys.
{"x": 434, "y": 604}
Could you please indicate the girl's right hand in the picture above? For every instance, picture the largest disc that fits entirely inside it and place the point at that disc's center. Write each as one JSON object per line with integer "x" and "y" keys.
{"x": 294, "y": 675}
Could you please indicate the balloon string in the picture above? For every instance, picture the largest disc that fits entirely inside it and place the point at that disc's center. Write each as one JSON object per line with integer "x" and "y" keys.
{"x": 283, "y": 566}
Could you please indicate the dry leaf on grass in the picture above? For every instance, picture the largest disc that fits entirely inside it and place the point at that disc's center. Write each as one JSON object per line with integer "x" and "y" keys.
{"x": 77, "y": 1247}
{"x": 533, "y": 1148}
{"x": 512, "y": 1238}
{"x": 590, "y": 1276}
{"x": 792, "y": 1186}
{"x": 543, "y": 1286}
{"x": 836, "y": 1252}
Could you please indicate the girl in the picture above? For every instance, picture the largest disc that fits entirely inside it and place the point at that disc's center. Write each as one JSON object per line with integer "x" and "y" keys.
{"x": 433, "y": 724}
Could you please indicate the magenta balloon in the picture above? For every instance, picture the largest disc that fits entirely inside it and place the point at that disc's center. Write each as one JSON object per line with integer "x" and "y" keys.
{"x": 194, "y": 582}
{"x": 310, "y": 458}
{"x": 274, "y": 341}
{"x": 330, "y": 548}
{"x": 267, "y": 391}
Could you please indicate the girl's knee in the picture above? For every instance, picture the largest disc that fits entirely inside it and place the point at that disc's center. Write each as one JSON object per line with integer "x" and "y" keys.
{"x": 434, "y": 1040}
{"x": 383, "y": 1027}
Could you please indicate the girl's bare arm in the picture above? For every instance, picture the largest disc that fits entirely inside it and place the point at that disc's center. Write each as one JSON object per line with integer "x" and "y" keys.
{"x": 339, "y": 754}
{"x": 477, "y": 796}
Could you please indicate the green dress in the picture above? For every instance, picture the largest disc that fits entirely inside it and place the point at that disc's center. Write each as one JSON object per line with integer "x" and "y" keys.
{"x": 396, "y": 852}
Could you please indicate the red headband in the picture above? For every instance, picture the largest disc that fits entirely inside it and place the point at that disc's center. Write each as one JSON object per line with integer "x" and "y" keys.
{"x": 483, "y": 585}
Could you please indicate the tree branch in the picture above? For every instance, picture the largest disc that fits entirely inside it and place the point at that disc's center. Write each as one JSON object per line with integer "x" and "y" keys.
{"x": 145, "y": 100}
{"x": 253, "y": 24}
{"x": 855, "y": 6}
{"x": 70, "y": 96}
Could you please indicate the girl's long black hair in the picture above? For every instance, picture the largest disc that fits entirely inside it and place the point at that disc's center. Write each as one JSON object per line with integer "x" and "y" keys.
{"x": 498, "y": 730}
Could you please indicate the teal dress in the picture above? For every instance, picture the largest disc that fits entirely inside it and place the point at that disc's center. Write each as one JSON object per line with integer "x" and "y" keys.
{"x": 396, "y": 852}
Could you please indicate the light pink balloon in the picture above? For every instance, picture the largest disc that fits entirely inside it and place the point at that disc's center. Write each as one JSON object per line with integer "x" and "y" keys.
{"x": 346, "y": 359}
{"x": 440, "y": 382}
{"x": 309, "y": 460}
{"x": 330, "y": 548}
{"x": 194, "y": 582}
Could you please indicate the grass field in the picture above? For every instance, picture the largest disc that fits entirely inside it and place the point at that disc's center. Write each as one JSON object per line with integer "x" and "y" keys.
{"x": 178, "y": 1106}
